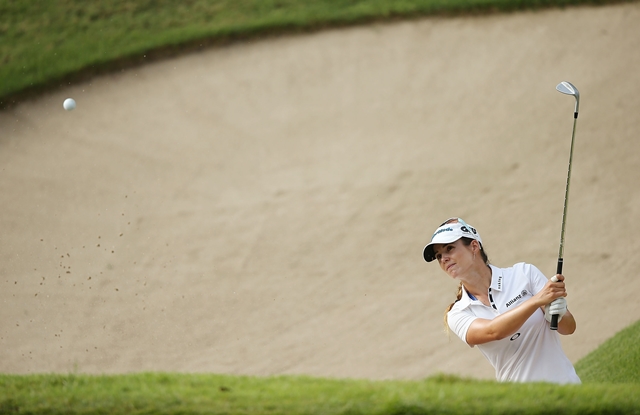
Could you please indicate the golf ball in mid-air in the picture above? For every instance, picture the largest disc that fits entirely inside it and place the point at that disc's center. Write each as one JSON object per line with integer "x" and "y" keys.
{"x": 69, "y": 104}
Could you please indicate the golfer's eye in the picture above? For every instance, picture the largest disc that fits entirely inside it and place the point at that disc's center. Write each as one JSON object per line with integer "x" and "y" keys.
{"x": 438, "y": 257}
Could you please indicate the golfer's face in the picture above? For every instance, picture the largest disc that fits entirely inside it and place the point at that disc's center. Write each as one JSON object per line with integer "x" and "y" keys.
{"x": 453, "y": 258}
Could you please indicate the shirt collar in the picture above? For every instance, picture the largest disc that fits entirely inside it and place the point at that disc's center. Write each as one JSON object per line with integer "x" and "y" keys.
{"x": 465, "y": 300}
{"x": 496, "y": 284}
{"x": 497, "y": 278}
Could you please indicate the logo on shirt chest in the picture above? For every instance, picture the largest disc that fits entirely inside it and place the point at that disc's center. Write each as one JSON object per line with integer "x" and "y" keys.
{"x": 515, "y": 299}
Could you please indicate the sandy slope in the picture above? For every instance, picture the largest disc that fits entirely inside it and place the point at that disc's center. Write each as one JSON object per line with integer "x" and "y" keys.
{"x": 261, "y": 209}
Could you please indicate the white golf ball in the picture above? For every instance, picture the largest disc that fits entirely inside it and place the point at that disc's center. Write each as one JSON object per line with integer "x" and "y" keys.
{"x": 69, "y": 104}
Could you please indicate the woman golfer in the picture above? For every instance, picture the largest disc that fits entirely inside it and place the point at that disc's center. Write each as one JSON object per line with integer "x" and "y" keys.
{"x": 504, "y": 311}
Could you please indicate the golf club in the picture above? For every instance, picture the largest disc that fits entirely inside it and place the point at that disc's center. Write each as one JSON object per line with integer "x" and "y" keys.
{"x": 568, "y": 89}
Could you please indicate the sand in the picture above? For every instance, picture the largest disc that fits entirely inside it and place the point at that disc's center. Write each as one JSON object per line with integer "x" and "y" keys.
{"x": 261, "y": 208}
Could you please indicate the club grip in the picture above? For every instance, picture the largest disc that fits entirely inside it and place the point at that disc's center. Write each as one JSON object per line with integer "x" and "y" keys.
{"x": 554, "y": 317}
{"x": 559, "y": 267}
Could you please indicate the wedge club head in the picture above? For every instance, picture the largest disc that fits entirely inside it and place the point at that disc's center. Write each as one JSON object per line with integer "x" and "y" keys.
{"x": 569, "y": 89}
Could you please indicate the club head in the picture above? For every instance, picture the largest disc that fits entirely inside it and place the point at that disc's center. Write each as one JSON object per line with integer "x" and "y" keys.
{"x": 569, "y": 89}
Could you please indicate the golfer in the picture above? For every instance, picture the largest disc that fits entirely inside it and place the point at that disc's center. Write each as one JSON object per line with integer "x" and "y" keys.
{"x": 504, "y": 311}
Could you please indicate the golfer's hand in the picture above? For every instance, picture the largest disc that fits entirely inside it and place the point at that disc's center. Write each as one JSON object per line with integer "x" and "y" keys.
{"x": 557, "y": 306}
{"x": 553, "y": 289}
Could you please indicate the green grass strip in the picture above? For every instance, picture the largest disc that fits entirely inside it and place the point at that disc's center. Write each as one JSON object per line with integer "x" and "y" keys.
{"x": 610, "y": 376}
{"x": 48, "y": 43}
{"x": 161, "y": 393}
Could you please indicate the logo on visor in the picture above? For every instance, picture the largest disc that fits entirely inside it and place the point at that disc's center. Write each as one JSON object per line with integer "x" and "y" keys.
{"x": 440, "y": 231}
{"x": 466, "y": 230}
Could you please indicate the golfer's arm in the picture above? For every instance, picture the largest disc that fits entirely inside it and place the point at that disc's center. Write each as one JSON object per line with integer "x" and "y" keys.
{"x": 567, "y": 325}
{"x": 483, "y": 331}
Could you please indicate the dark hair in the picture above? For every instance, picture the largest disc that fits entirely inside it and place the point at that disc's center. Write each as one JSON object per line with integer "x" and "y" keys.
{"x": 485, "y": 258}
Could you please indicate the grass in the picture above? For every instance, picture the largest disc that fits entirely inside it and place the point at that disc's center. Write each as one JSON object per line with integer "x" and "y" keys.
{"x": 160, "y": 393}
{"x": 610, "y": 375}
{"x": 616, "y": 361}
{"x": 52, "y": 43}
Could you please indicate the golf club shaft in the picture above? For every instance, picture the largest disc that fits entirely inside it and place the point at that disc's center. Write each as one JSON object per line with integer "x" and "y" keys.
{"x": 554, "y": 317}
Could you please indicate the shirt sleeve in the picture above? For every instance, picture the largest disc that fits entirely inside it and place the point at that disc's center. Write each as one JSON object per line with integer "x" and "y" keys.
{"x": 537, "y": 279}
{"x": 459, "y": 321}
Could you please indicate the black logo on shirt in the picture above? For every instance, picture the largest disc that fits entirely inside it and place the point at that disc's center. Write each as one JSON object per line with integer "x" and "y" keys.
{"x": 515, "y": 336}
{"x": 516, "y": 298}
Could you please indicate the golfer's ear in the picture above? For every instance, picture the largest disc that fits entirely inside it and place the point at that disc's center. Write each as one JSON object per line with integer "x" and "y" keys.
{"x": 475, "y": 245}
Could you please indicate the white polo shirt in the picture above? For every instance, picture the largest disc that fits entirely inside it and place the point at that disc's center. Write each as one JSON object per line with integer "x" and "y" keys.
{"x": 534, "y": 352}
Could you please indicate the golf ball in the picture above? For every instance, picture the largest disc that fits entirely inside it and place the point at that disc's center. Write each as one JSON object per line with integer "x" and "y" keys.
{"x": 69, "y": 104}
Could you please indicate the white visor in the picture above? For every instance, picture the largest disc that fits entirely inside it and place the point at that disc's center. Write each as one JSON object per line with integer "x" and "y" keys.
{"x": 449, "y": 233}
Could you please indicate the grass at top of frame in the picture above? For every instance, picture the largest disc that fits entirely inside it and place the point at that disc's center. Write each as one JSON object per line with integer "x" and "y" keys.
{"x": 162, "y": 393}
{"x": 51, "y": 43}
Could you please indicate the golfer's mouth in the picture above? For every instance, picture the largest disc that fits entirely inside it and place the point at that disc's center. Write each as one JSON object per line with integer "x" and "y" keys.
{"x": 449, "y": 267}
